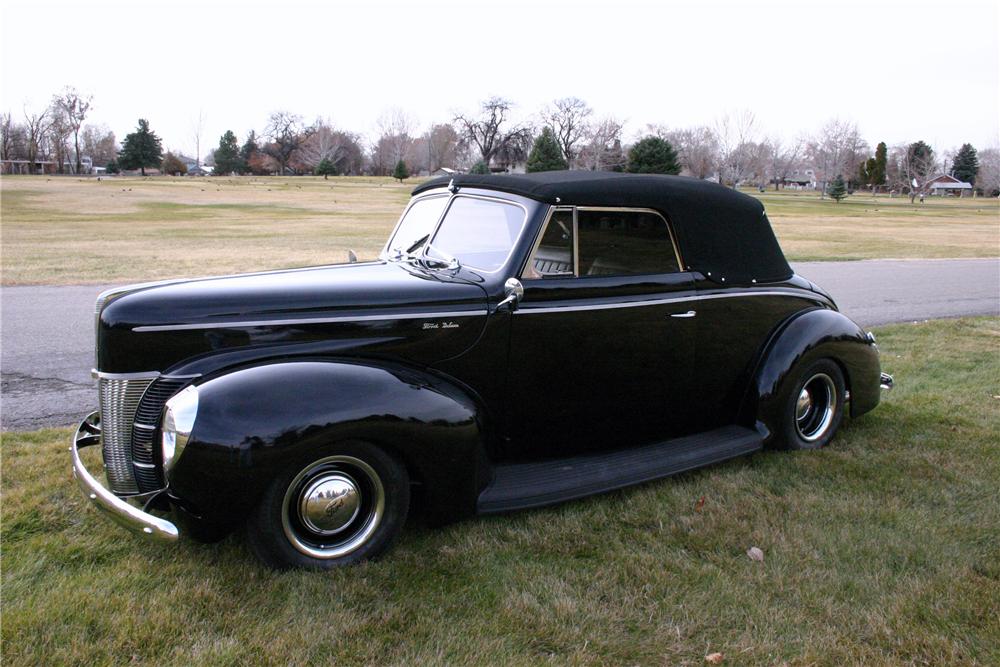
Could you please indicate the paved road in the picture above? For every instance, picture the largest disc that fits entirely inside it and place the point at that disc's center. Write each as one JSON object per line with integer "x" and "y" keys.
{"x": 47, "y": 333}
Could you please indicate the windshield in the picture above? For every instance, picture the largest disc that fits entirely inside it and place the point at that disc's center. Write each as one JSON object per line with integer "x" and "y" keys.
{"x": 479, "y": 232}
{"x": 417, "y": 224}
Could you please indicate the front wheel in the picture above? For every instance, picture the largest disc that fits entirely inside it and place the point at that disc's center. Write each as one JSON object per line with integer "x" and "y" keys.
{"x": 339, "y": 508}
{"x": 814, "y": 408}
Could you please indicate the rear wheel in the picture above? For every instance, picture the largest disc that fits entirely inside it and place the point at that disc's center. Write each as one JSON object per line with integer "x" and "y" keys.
{"x": 338, "y": 508}
{"x": 814, "y": 407}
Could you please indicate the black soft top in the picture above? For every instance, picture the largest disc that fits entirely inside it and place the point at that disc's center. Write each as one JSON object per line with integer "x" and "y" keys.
{"x": 722, "y": 233}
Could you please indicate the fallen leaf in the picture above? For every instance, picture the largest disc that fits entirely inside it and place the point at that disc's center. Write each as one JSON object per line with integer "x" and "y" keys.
{"x": 714, "y": 658}
{"x": 755, "y": 554}
{"x": 698, "y": 505}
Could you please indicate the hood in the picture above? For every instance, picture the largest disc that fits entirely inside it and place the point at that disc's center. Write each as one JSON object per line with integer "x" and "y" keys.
{"x": 383, "y": 308}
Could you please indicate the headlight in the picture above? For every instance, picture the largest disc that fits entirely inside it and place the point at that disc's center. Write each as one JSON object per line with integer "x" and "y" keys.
{"x": 178, "y": 422}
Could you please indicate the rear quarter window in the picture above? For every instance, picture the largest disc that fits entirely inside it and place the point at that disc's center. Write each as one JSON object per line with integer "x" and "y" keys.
{"x": 613, "y": 242}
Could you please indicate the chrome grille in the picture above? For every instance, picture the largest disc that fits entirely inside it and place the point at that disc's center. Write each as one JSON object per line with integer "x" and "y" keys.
{"x": 148, "y": 472}
{"x": 119, "y": 400}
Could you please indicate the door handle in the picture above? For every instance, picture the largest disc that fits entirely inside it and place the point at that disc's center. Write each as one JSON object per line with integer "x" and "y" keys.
{"x": 689, "y": 313}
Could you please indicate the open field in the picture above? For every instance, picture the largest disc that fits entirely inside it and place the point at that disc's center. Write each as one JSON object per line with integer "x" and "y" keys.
{"x": 882, "y": 227}
{"x": 881, "y": 549}
{"x": 72, "y": 231}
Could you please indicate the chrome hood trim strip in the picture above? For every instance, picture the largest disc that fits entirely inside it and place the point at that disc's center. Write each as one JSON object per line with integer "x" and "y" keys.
{"x": 309, "y": 320}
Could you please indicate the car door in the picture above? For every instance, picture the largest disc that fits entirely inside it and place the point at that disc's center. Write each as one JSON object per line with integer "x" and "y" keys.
{"x": 602, "y": 342}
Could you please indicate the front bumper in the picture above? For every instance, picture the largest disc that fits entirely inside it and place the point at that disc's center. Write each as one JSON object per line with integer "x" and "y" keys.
{"x": 885, "y": 382}
{"x": 88, "y": 434}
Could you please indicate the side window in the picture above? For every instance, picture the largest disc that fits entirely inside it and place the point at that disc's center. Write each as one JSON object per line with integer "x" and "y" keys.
{"x": 554, "y": 255}
{"x": 614, "y": 243}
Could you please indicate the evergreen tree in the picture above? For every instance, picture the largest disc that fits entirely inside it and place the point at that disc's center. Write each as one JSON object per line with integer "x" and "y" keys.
{"x": 141, "y": 149}
{"x": 227, "y": 155}
{"x": 837, "y": 189}
{"x": 545, "y": 154}
{"x": 400, "y": 173}
{"x": 866, "y": 172}
{"x": 966, "y": 166}
{"x": 877, "y": 175}
{"x": 325, "y": 169}
{"x": 248, "y": 154}
{"x": 653, "y": 155}
{"x": 112, "y": 167}
{"x": 479, "y": 168}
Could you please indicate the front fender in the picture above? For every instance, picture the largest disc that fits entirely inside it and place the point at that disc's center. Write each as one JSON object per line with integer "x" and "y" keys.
{"x": 255, "y": 421}
{"x": 804, "y": 338}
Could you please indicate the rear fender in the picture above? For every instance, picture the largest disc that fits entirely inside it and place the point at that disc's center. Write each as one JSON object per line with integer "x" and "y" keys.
{"x": 802, "y": 339}
{"x": 253, "y": 422}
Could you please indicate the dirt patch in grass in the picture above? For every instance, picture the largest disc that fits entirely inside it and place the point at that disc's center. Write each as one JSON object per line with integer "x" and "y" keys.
{"x": 880, "y": 549}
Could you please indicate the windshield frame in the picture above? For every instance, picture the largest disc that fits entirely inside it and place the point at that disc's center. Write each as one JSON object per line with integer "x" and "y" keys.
{"x": 452, "y": 196}
{"x": 386, "y": 253}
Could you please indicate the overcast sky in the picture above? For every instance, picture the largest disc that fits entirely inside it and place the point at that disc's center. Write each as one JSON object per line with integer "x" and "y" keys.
{"x": 901, "y": 70}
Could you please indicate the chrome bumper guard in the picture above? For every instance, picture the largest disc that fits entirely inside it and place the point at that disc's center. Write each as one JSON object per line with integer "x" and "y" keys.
{"x": 88, "y": 434}
{"x": 886, "y": 382}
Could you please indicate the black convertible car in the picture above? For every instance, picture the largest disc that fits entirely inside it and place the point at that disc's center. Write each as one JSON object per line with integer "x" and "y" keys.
{"x": 521, "y": 341}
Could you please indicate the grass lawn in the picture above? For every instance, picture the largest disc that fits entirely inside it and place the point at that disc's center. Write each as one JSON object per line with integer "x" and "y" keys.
{"x": 67, "y": 230}
{"x": 881, "y": 549}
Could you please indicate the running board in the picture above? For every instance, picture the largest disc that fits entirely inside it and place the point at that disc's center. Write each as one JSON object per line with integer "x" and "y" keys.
{"x": 519, "y": 486}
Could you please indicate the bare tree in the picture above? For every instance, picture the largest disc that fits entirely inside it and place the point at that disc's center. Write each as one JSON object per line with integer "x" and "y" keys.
{"x": 489, "y": 132}
{"x": 99, "y": 143}
{"x": 783, "y": 158}
{"x": 736, "y": 135}
{"x": 697, "y": 148}
{"x": 37, "y": 125}
{"x": 395, "y": 128}
{"x": 909, "y": 168}
{"x": 60, "y": 129}
{"x": 603, "y": 147}
{"x": 837, "y": 150}
{"x": 197, "y": 129}
{"x": 514, "y": 149}
{"x": 568, "y": 119}
{"x": 988, "y": 178}
{"x": 285, "y": 135}
{"x": 74, "y": 107}
{"x": 442, "y": 144}
{"x": 7, "y": 129}
{"x": 325, "y": 142}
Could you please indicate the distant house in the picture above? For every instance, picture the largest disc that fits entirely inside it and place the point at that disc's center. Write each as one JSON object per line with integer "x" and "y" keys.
{"x": 800, "y": 179}
{"x": 947, "y": 185}
{"x": 44, "y": 166}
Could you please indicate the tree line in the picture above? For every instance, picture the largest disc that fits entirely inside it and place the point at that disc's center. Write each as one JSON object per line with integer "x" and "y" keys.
{"x": 565, "y": 134}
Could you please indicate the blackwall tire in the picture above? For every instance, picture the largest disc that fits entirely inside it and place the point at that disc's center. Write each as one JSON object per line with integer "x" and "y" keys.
{"x": 813, "y": 408}
{"x": 339, "y": 507}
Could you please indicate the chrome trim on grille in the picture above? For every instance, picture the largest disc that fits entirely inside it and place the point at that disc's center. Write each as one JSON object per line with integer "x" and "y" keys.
{"x": 119, "y": 400}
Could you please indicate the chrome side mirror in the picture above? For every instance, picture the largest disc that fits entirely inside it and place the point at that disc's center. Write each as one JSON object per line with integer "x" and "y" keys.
{"x": 514, "y": 291}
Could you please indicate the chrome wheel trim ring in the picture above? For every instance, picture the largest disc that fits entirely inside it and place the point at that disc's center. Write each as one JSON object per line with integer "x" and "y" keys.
{"x": 353, "y": 534}
{"x": 814, "y": 412}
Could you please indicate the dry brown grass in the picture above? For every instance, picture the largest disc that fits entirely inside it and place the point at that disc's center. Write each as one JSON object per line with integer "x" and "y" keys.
{"x": 866, "y": 227}
{"x": 70, "y": 230}
{"x": 67, "y": 230}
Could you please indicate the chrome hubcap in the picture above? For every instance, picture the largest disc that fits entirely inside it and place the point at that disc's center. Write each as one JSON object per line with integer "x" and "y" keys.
{"x": 803, "y": 404}
{"x": 815, "y": 407}
{"x": 329, "y": 504}
{"x": 332, "y": 507}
